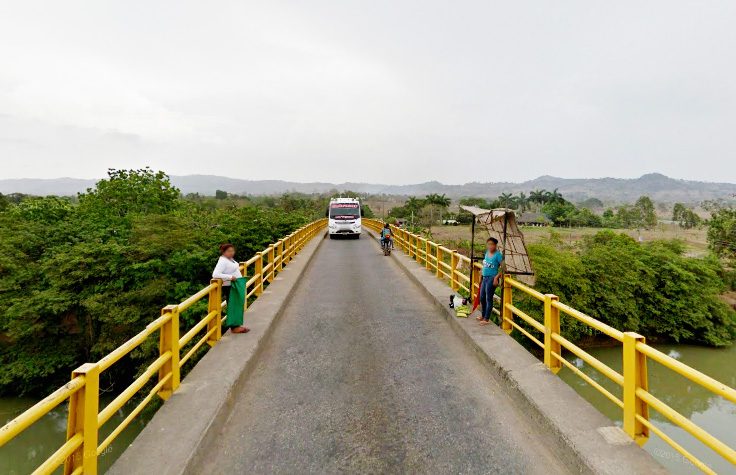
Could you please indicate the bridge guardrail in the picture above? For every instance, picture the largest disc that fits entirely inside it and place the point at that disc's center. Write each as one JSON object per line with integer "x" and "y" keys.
{"x": 636, "y": 399}
{"x": 80, "y": 451}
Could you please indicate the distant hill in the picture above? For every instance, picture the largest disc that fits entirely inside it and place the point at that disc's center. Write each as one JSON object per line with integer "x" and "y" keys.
{"x": 657, "y": 186}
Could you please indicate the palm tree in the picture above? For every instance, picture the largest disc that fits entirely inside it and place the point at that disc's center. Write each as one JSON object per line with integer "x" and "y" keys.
{"x": 443, "y": 202}
{"x": 537, "y": 196}
{"x": 414, "y": 204}
{"x": 556, "y": 196}
{"x": 506, "y": 199}
{"x": 522, "y": 202}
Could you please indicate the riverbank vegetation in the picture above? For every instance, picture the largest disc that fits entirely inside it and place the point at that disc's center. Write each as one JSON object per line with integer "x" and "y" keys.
{"x": 80, "y": 276}
{"x": 623, "y": 267}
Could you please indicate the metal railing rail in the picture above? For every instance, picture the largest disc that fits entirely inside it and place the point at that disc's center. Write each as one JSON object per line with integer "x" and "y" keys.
{"x": 635, "y": 399}
{"x": 80, "y": 451}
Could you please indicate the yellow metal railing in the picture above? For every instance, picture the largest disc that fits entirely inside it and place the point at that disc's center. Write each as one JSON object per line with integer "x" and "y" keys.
{"x": 636, "y": 400}
{"x": 80, "y": 451}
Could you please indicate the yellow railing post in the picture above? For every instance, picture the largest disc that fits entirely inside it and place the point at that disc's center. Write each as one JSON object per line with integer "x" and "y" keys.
{"x": 551, "y": 327}
{"x": 454, "y": 261}
{"x": 83, "y": 409}
{"x": 418, "y": 256}
{"x": 245, "y": 274}
{"x": 271, "y": 262}
{"x": 287, "y": 248}
{"x": 506, "y": 314}
{"x": 169, "y": 341}
{"x": 214, "y": 304}
{"x": 439, "y": 257}
{"x": 259, "y": 273}
{"x": 280, "y": 254}
{"x": 427, "y": 253}
{"x": 475, "y": 284}
{"x": 635, "y": 378}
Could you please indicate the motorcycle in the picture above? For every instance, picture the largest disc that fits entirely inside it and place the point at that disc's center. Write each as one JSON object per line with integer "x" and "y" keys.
{"x": 386, "y": 245}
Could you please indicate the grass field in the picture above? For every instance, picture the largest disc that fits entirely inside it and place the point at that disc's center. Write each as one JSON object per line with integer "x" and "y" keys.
{"x": 694, "y": 239}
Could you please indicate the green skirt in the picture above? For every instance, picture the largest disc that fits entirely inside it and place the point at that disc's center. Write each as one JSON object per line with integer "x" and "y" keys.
{"x": 236, "y": 303}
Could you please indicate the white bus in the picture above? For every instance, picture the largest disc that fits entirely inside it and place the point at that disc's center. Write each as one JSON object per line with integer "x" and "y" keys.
{"x": 344, "y": 217}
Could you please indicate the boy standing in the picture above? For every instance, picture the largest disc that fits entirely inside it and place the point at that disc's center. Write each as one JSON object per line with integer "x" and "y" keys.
{"x": 491, "y": 266}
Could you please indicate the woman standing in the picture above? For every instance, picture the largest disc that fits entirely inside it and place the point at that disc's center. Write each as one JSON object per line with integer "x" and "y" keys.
{"x": 228, "y": 270}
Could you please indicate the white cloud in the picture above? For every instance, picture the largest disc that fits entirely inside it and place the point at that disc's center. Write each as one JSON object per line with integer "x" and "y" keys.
{"x": 387, "y": 91}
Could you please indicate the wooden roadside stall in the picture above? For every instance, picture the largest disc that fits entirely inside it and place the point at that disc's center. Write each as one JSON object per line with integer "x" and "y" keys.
{"x": 500, "y": 223}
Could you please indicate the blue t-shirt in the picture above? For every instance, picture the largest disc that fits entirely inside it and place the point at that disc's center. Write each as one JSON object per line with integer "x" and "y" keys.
{"x": 491, "y": 263}
{"x": 384, "y": 232}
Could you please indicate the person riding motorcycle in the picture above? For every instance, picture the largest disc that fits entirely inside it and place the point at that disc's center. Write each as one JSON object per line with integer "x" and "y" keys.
{"x": 386, "y": 235}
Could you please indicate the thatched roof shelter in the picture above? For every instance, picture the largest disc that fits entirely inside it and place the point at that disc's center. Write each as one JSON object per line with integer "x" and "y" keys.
{"x": 501, "y": 224}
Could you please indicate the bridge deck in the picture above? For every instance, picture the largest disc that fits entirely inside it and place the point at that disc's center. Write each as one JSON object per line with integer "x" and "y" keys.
{"x": 363, "y": 375}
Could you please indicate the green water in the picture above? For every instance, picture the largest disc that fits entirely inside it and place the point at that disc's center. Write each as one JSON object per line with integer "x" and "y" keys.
{"x": 712, "y": 413}
{"x": 32, "y": 447}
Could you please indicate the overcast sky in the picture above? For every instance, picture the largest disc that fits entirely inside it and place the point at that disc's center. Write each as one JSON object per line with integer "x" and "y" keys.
{"x": 380, "y": 91}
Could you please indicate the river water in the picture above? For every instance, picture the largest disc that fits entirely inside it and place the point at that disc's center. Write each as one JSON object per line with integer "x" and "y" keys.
{"x": 31, "y": 448}
{"x": 712, "y": 413}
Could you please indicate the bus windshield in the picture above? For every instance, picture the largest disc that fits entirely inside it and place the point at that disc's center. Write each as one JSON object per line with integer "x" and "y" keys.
{"x": 344, "y": 211}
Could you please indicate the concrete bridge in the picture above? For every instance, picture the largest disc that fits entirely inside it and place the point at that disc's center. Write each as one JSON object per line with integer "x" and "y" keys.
{"x": 355, "y": 364}
{"x": 353, "y": 367}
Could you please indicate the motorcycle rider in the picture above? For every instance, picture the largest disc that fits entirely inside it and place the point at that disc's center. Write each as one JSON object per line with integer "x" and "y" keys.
{"x": 386, "y": 235}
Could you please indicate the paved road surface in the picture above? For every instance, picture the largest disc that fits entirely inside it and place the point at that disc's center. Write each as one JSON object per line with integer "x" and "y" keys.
{"x": 363, "y": 375}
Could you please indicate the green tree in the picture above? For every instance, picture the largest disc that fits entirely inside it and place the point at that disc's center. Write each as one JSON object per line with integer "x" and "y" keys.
{"x": 47, "y": 209}
{"x": 559, "y": 212}
{"x": 646, "y": 212}
{"x": 722, "y": 232}
{"x": 77, "y": 281}
{"x": 506, "y": 200}
{"x": 131, "y": 191}
{"x": 684, "y": 216}
{"x": 592, "y": 203}
{"x": 220, "y": 195}
{"x": 475, "y": 201}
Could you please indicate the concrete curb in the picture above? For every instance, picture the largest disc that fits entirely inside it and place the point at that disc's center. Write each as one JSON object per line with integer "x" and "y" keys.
{"x": 191, "y": 418}
{"x": 585, "y": 439}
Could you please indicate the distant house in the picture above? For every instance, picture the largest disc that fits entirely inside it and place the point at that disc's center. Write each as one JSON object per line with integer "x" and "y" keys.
{"x": 450, "y": 222}
{"x": 533, "y": 219}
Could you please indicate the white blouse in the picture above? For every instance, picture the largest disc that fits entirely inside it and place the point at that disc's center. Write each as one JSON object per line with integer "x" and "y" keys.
{"x": 225, "y": 269}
